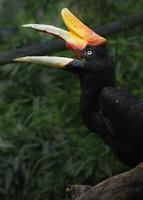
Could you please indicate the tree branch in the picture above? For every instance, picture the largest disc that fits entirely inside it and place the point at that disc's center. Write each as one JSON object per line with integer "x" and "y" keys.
{"x": 53, "y": 46}
{"x": 5, "y": 33}
{"x": 125, "y": 186}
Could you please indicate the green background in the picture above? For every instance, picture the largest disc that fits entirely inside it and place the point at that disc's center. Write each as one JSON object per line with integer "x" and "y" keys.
{"x": 43, "y": 142}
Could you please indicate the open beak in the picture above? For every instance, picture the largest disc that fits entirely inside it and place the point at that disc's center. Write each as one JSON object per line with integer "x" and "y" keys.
{"x": 76, "y": 38}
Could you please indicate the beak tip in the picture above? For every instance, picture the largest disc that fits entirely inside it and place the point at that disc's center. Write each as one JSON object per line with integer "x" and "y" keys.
{"x": 24, "y": 25}
{"x": 28, "y": 25}
{"x": 64, "y": 11}
{"x": 16, "y": 60}
{"x": 22, "y": 59}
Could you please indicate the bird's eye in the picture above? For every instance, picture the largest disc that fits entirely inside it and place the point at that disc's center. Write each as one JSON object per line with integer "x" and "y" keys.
{"x": 89, "y": 52}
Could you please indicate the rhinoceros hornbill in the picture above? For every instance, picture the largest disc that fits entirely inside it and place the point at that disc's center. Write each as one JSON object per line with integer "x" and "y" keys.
{"x": 112, "y": 113}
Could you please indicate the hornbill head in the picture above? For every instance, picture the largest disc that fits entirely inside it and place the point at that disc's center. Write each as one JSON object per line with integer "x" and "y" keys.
{"x": 87, "y": 45}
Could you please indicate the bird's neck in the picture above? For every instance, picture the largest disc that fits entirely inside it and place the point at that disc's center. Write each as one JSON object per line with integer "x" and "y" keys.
{"x": 91, "y": 89}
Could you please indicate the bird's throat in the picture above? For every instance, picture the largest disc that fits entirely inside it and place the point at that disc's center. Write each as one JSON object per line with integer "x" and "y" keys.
{"x": 91, "y": 88}
{"x": 89, "y": 103}
{"x": 88, "y": 109}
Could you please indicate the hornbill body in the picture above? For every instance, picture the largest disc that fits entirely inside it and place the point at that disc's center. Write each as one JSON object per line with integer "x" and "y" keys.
{"x": 110, "y": 112}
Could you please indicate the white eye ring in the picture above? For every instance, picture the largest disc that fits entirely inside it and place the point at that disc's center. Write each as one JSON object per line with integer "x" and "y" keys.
{"x": 89, "y": 52}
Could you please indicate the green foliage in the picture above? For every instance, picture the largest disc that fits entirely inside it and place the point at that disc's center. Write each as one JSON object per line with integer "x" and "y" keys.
{"x": 43, "y": 142}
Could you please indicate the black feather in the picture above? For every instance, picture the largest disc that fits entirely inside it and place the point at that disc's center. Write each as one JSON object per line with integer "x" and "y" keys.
{"x": 115, "y": 115}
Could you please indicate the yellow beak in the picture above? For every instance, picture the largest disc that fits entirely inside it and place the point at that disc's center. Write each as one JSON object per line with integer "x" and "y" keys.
{"x": 84, "y": 34}
{"x": 76, "y": 38}
{"x": 78, "y": 34}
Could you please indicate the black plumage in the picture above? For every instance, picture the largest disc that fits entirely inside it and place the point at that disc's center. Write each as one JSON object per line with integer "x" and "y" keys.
{"x": 114, "y": 114}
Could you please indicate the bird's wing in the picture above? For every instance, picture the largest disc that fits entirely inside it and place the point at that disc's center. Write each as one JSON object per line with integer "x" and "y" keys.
{"x": 124, "y": 111}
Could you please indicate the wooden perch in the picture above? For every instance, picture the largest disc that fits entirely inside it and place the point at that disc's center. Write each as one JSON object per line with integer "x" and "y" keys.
{"x": 53, "y": 46}
{"x": 125, "y": 186}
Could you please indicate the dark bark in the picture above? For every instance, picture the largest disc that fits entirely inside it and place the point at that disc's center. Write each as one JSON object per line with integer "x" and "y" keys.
{"x": 125, "y": 186}
{"x": 53, "y": 46}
